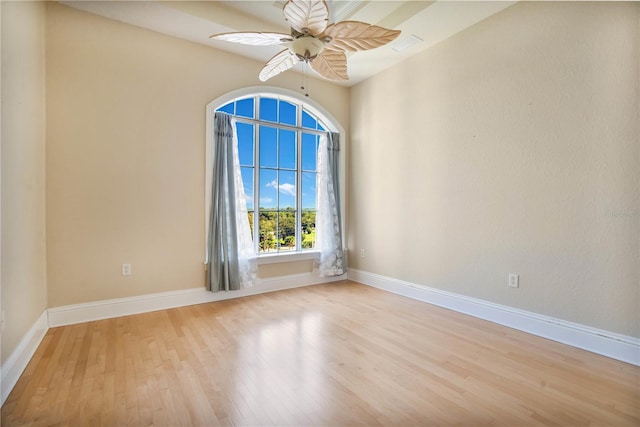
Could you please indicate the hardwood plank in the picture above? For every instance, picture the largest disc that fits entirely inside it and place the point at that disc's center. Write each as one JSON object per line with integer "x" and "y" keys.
{"x": 335, "y": 354}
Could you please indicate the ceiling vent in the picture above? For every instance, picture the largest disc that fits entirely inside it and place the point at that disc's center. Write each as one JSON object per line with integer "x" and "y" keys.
{"x": 406, "y": 43}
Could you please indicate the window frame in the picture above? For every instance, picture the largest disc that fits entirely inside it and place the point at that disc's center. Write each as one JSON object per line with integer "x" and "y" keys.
{"x": 298, "y": 169}
{"x": 329, "y": 123}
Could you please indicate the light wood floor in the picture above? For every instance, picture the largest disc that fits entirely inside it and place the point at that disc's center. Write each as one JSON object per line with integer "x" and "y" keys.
{"x": 339, "y": 354}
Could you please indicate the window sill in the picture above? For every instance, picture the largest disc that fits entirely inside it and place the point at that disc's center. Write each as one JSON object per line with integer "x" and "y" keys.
{"x": 287, "y": 257}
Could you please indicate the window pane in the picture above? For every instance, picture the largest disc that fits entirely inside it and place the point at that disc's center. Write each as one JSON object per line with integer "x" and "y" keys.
{"x": 309, "y": 151}
{"x": 250, "y": 215}
{"x": 308, "y": 121}
{"x": 308, "y": 229}
{"x": 268, "y": 188}
{"x": 227, "y": 108}
{"x": 247, "y": 183}
{"x": 245, "y": 143}
{"x": 287, "y": 154}
{"x": 269, "y": 109}
{"x": 244, "y": 108}
{"x": 268, "y": 147}
{"x": 288, "y": 113}
{"x": 279, "y": 170}
{"x": 267, "y": 229}
{"x": 308, "y": 190}
{"x": 287, "y": 189}
{"x": 308, "y": 218}
{"x": 287, "y": 230}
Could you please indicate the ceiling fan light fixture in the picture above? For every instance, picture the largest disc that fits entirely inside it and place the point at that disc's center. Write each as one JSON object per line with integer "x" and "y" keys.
{"x": 306, "y": 48}
{"x": 313, "y": 41}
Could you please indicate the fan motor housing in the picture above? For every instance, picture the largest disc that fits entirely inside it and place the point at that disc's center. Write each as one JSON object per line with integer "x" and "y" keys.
{"x": 306, "y": 47}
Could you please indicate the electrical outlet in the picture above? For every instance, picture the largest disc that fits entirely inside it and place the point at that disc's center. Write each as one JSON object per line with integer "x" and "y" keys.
{"x": 514, "y": 280}
{"x": 2, "y": 322}
{"x": 361, "y": 253}
{"x": 126, "y": 269}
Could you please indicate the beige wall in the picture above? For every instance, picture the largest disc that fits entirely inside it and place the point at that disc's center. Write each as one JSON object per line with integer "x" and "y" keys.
{"x": 510, "y": 148}
{"x": 125, "y": 154}
{"x": 24, "y": 291}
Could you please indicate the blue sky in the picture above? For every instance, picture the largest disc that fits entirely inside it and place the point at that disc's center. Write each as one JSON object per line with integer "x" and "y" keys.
{"x": 278, "y": 151}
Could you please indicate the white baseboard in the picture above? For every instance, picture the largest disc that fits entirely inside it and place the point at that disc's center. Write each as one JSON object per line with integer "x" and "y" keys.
{"x": 610, "y": 344}
{"x": 20, "y": 357}
{"x": 106, "y": 309}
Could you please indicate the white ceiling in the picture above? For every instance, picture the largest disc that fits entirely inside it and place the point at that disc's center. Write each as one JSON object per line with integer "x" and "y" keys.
{"x": 431, "y": 21}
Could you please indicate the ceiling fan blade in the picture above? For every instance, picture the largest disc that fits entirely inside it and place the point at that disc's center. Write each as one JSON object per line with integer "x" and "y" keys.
{"x": 312, "y": 15}
{"x": 331, "y": 64}
{"x": 352, "y": 36}
{"x": 280, "y": 62}
{"x": 254, "y": 39}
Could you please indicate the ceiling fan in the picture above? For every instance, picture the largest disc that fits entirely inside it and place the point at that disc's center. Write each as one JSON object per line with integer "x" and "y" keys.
{"x": 313, "y": 41}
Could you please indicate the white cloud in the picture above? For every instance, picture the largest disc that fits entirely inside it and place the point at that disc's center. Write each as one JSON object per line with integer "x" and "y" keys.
{"x": 289, "y": 189}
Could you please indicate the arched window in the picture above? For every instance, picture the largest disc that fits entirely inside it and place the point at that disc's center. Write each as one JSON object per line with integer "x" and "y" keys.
{"x": 278, "y": 135}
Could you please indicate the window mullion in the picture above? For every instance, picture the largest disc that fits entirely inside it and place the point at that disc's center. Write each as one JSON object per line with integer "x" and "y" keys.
{"x": 279, "y": 125}
{"x": 299, "y": 190}
{"x": 299, "y": 177}
{"x": 256, "y": 179}
{"x": 277, "y": 190}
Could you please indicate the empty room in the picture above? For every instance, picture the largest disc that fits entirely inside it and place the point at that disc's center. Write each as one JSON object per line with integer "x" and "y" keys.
{"x": 320, "y": 213}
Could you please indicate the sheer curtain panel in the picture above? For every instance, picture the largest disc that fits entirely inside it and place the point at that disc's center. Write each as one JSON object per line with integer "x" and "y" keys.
{"x": 231, "y": 263}
{"x": 328, "y": 221}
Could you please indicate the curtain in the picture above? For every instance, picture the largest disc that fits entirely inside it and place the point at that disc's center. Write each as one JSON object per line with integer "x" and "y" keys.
{"x": 328, "y": 221}
{"x": 231, "y": 260}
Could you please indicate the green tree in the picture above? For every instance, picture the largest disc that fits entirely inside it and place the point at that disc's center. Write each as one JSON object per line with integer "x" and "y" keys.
{"x": 287, "y": 228}
{"x": 267, "y": 230}
{"x": 308, "y": 229}
{"x": 250, "y": 215}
